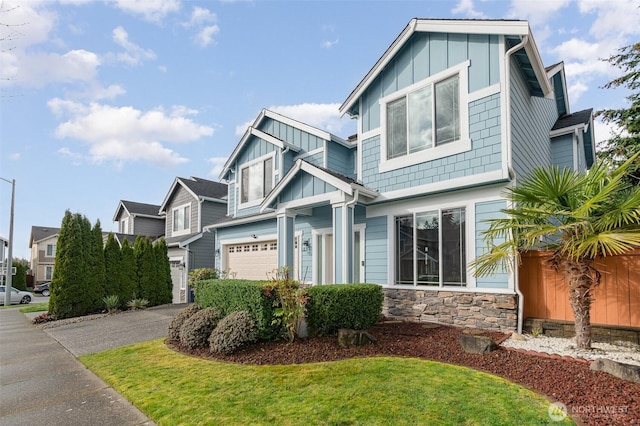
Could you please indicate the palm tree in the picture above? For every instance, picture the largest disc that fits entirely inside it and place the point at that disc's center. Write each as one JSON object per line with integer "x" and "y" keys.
{"x": 580, "y": 216}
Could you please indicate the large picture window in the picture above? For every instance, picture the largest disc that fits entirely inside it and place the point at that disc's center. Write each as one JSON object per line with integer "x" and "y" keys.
{"x": 256, "y": 180}
{"x": 430, "y": 248}
{"x": 412, "y": 119}
{"x": 181, "y": 219}
{"x": 426, "y": 120}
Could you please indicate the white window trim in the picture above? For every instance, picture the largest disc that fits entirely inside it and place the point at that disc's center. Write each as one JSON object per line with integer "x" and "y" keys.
{"x": 53, "y": 250}
{"x": 243, "y": 166}
{"x": 435, "y": 152}
{"x": 124, "y": 226}
{"x": 182, "y": 231}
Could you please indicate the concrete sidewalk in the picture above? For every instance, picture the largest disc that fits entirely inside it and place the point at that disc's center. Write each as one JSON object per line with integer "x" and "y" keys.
{"x": 43, "y": 383}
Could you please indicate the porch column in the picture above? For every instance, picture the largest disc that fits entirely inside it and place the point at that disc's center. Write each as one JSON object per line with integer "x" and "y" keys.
{"x": 343, "y": 243}
{"x": 286, "y": 240}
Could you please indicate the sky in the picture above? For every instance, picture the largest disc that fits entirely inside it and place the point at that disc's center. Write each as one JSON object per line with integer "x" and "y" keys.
{"x": 102, "y": 101}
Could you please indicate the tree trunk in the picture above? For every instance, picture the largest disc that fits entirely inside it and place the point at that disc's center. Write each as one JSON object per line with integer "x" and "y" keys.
{"x": 581, "y": 281}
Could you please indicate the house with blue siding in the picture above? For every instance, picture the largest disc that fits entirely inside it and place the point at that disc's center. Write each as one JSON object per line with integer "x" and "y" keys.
{"x": 454, "y": 112}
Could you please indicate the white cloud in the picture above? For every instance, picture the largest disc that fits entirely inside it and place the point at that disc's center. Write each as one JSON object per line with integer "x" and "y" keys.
{"x": 614, "y": 19}
{"x": 604, "y": 132}
{"x": 134, "y": 54}
{"x": 40, "y": 69}
{"x": 125, "y": 134}
{"x": 328, "y": 44}
{"x": 467, "y": 8}
{"x": 576, "y": 90}
{"x": 151, "y": 10}
{"x": 204, "y": 37}
{"x": 322, "y": 116}
{"x": 218, "y": 164}
{"x": 536, "y": 12}
{"x": 200, "y": 16}
{"x": 333, "y": 39}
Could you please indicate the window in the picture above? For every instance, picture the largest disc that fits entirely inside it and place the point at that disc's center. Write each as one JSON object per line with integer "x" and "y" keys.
{"x": 51, "y": 250}
{"x": 430, "y": 248}
{"x": 426, "y": 121}
{"x": 124, "y": 226}
{"x": 48, "y": 273}
{"x": 411, "y": 119}
{"x": 256, "y": 180}
{"x": 181, "y": 219}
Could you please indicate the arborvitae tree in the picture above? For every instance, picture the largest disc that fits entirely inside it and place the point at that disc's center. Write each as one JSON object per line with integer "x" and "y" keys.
{"x": 145, "y": 263}
{"x": 95, "y": 282}
{"x": 112, "y": 267}
{"x": 163, "y": 273}
{"x": 20, "y": 278}
{"x": 128, "y": 273}
{"x": 68, "y": 295}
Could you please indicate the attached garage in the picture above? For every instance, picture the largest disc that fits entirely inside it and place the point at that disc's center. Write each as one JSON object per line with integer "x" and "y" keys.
{"x": 252, "y": 261}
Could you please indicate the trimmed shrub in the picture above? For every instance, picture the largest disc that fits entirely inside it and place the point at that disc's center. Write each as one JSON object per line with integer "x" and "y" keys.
{"x": 331, "y": 307}
{"x": 196, "y": 329}
{"x": 230, "y": 296}
{"x": 233, "y": 332}
{"x": 179, "y": 319}
{"x": 201, "y": 274}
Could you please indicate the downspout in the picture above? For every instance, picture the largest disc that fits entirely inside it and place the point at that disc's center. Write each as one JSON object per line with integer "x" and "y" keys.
{"x": 347, "y": 205}
{"x": 516, "y": 280}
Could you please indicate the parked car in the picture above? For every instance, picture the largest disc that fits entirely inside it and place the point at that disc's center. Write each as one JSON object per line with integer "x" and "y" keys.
{"x": 42, "y": 289}
{"x": 17, "y": 296}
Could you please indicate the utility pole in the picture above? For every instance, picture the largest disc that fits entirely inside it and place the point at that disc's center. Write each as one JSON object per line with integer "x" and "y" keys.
{"x": 9, "y": 280}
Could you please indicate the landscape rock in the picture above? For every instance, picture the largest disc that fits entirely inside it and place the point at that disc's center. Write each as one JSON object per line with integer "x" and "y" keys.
{"x": 348, "y": 338}
{"x": 628, "y": 372}
{"x": 477, "y": 344}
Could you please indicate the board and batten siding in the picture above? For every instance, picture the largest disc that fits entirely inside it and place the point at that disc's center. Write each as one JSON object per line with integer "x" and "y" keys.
{"x": 426, "y": 54}
{"x": 486, "y": 211}
{"x": 305, "y": 185}
{"x": 182, "y": 197}
{"x": 531, "y": 120}
{"x": 562, "y": 151}
{"x": 292, "y": 135}
{"x": 485, "y": 154}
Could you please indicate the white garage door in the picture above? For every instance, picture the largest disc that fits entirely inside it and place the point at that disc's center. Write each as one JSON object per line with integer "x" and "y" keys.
{"x": 253, "y": 261}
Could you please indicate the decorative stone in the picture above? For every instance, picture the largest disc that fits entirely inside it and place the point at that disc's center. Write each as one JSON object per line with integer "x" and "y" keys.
{"x": 477, "y": 344}
{"x": 628, "y": 372}
{"x": 348, "y": 338}
{"x": 518, "y": 336}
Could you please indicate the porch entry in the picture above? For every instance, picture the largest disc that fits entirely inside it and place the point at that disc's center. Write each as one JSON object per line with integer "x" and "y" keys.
{"x": 324, "y": 255}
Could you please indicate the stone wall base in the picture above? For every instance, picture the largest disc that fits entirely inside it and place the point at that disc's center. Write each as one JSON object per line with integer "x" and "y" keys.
{"x": 566, "y": 329}
{"x": 466, "y": 309}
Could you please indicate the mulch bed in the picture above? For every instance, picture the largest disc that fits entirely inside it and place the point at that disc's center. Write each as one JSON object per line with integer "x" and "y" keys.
{"x": 594, "y": 397}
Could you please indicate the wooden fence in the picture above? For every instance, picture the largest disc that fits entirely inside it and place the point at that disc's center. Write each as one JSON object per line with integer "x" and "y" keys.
{"x": 617, "y": 298}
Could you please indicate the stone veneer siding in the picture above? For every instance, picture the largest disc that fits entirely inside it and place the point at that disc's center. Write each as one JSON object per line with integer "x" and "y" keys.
{"x": 465, "y": 309}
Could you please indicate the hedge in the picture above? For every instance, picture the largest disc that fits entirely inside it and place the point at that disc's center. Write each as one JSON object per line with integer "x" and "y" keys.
{"x": 331, "y": 307}
{"x": 230, "y": 295}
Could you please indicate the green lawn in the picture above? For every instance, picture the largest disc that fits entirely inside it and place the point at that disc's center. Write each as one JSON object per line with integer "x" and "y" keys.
{"x": 35, "y": 307}
{"x": 174, "y": 389}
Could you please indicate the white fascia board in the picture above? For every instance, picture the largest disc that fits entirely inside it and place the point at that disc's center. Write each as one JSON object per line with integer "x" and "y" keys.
{"x": 120, "y": 206}
{"x": 213, "y": 200}
{"x": 185, "y": 243}
{"x": 280, "y": 185}
{"x": 234, "y": 154}
{"x": 462, "y": 26}
{"x": 538, "y": 66}
{"x": 146, "y": 215}
{"x": 306, "y": 128}
{"x": 568, "y": 130}
{"x": 164, "y": 206}
{"x": 241, "y": 221}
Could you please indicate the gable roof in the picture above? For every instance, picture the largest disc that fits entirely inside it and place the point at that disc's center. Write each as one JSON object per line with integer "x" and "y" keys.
{"x": 578, "y": 121}
{"x": 562, "y": 98}
{"x": 254, "y": 131}
{"x": 199, "y": 188}
{"x": 138, "y": 209}
{"x": 343, "y": 183}
{"x": 39, "y": 233}
{"x": 518, "y": 30}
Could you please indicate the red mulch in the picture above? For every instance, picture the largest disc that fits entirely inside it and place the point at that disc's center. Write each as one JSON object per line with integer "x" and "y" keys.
{"x": 596, "y": 398}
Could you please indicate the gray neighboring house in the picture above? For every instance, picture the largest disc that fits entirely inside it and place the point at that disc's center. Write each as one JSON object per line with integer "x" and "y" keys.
{"x": 190, "y": 204}
{"x": 139, "y": 219}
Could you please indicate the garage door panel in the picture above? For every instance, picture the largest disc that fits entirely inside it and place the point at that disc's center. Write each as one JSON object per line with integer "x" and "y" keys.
{"x": 255, "y": 261}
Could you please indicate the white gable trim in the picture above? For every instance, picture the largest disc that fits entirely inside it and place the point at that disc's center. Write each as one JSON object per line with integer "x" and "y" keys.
{"x": 163, "y": 206}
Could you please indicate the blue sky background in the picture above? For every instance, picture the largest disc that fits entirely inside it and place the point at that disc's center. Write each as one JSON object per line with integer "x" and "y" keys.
{"x": 108, "y": 100}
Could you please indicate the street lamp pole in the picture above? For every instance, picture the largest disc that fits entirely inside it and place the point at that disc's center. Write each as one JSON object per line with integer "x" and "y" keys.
{"x": 9, "y": 280}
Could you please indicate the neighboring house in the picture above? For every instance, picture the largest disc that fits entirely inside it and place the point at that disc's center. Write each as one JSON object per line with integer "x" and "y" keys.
{"x": 43, "y": 242}
{"x": 139, "y": 219}
{"x": 189, "y": 204}
{"x": 454, "y": 112}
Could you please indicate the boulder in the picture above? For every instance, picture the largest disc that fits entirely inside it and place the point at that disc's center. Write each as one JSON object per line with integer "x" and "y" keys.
{"x": 477, "y": 344}
{"x": 348, "y": 338}
{"x": 628, "y": 372}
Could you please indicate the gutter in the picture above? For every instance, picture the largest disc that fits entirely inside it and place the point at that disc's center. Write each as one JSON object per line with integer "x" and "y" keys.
{"x": 510, "y": 52}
